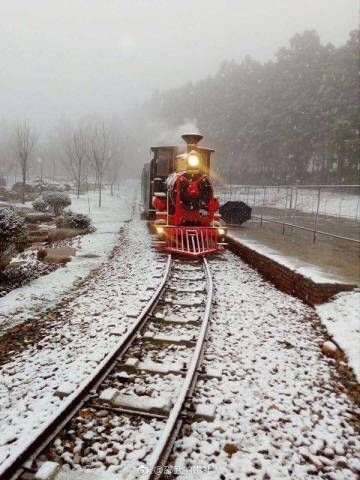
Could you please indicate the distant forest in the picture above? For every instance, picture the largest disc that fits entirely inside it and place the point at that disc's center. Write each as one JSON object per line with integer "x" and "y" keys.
{"x": 295, "y": 118}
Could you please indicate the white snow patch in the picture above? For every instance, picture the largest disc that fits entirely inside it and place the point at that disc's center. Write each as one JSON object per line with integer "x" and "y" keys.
{"x": 341, "y": 316}
{"x": 44, "y": 292}
{"x": 67, "y": 474}
{"x": 47, "y": 471}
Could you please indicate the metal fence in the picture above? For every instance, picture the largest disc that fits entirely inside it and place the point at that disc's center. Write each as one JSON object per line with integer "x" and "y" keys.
{"x": 329, "y": 210}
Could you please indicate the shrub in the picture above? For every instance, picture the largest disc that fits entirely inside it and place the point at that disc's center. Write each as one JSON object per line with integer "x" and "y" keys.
{"x": 11, "y": 227}
{"x": 18, "y": 188}
{"x": 53, "y": 187}
{"x": 40, "y": 205}
{"x": 41, "y": 254}
{"x": 57, "y": 201}
{"x": 76, "y": 220}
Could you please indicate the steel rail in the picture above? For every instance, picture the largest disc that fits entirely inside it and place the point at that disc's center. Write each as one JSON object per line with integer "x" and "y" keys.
{"x": 157, "y": 464}
{"x": 12, "y": 468}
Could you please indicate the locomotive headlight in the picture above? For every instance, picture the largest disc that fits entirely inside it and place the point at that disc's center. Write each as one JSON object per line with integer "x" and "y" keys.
{"x": 221, "y": 231}
{"x": 160, "y": 230}
{"x": 193, "y": 160}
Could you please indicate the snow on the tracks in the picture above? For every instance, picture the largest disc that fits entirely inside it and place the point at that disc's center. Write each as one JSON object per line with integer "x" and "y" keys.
{"x": 42, "y": 293}
{"x": 35, "y": 382}
{"x": 341, "y": 316}
{"x": 281, "y": 409}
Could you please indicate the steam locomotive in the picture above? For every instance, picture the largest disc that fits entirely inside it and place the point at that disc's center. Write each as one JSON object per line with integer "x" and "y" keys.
{"x": 178, "y": 199}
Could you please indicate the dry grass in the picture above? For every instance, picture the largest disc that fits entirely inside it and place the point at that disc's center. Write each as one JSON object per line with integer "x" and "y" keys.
{"x": 58, "y": 234}
{"x": 60, "y": 255}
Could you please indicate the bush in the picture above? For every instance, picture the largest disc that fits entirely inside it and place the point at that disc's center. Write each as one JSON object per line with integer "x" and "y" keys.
{"x": 18, "y": 188}
{"x": 54, "y": 187}
{"x": 41, "y": 254}
{"x": 57, "y": 201}
{"x": 11, "y": 228}
{"x": 76, "y": 220}
{"x": 40, "y": 205}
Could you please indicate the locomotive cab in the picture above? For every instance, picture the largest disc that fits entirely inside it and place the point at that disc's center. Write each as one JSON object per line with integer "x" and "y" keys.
{"x": 154, "y": 177}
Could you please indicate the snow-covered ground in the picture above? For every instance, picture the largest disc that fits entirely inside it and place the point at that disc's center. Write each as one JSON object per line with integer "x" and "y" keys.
{"x": 86, "y": 328}
{"x": 341, "y": 316}
{"x": 42, "y": 293}
{"x": 337, "y": 203}
{"x": 281, "y": 409}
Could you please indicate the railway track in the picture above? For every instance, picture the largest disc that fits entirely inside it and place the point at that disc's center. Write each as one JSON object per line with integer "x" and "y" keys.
{"x": 162, "y": 350}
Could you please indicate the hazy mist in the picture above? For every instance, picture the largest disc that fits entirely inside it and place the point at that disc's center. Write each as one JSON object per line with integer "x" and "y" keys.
{"x": 71, "y": 58}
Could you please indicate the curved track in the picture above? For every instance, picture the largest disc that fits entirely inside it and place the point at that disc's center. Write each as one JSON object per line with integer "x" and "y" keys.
{"x": 89, "y": 393}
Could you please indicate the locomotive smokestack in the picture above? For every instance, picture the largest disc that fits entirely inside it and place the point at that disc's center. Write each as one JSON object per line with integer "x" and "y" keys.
{"x": 192, "y": 139}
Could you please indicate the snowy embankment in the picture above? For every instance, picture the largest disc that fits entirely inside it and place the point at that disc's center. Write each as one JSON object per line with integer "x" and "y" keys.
{"x": 282, "y": 411}
{"x": 42, "y": 293}
{"x": 341, "y": 317}
{"x": 35, "y": 382}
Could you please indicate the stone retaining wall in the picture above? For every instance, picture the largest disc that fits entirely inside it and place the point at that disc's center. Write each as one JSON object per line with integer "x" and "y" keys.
{"x": 285, "y": 279}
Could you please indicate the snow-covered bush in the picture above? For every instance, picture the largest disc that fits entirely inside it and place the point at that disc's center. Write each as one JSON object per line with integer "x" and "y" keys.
{"x": 57, "y": 201}
{"x": 28, "y": 267}
{"x": 11, "y": 228}
{"x": 40, "y": 205}
{"x": 76, "y": 220}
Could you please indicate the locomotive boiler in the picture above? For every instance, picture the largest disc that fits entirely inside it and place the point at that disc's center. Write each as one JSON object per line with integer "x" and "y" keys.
{"x": 179, "y": 201}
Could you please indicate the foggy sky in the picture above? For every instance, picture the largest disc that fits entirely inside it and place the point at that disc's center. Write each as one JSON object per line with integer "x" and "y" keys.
{"x": 67, "y": 58}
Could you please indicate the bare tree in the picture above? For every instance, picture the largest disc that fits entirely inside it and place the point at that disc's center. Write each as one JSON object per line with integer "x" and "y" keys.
{"x": 23, "y": 144}
{"x": 99, "y": 152}
{"x": 118, "y": 141}
{"x": 76, "y": 148}
{"x": 6, "y": 165}
{"x": 115, "y": 164}
{"x": 114, "y": 171}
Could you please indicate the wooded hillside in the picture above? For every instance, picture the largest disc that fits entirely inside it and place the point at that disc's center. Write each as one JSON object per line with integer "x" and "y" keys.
{"x": 293, "y": 118}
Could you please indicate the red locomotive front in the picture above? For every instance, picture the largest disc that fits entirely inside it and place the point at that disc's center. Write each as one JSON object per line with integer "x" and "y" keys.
{"x": 185, "y": 208}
